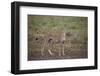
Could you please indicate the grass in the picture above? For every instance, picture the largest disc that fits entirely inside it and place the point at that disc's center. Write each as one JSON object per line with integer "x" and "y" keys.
{"x": 75, "y": 45}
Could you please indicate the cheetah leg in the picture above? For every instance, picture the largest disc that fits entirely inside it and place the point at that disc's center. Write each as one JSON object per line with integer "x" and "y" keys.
{"x": 63, "y": 52}
{"x": 42, "y": 50}
{"x": 50, "y": 52}
{"x": 59, "y": 51}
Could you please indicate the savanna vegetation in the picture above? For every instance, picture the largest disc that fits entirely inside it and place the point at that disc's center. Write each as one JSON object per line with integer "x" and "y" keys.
{"x": 57, "y": 37}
